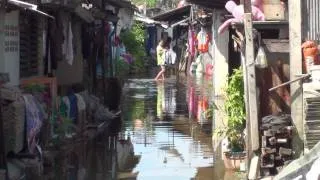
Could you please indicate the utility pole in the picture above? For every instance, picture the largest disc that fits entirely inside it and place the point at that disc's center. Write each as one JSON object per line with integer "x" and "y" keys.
{"x": 3, "y": 162}
{"x": 295, "y": 37}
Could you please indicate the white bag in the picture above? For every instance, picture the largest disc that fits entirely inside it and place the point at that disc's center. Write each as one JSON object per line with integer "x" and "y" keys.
{"x": 170, "y": 57}
{"x": 261, "y": 59}
{"x": 173, "y": 56}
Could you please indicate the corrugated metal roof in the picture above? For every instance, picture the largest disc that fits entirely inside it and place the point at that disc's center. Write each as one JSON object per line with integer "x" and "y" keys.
{"x": 311, "y": 19}
{"x": 174, "y": 14}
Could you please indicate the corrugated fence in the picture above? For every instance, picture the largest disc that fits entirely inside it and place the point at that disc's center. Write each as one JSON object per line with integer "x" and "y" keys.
{"x": 311, "y": 20}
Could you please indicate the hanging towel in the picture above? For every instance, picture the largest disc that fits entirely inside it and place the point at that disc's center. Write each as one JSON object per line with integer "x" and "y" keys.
{"x": 67, "y": 46}
{"x": 69, "y": 54}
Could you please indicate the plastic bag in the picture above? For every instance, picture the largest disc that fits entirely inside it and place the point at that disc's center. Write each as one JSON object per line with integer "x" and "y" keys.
{"x": 173, "y": 56}
{"x": 170, "y": 57}
{"x": 261, "y": 59}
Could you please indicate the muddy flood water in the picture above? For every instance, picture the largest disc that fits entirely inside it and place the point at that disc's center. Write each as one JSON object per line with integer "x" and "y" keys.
{"x": 165, "y": 134}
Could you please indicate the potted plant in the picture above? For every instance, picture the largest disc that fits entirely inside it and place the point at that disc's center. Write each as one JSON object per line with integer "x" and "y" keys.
{"x": 234, "y": 143}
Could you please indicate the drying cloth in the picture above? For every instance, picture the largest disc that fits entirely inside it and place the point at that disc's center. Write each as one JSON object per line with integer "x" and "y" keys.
{"x": 67, "y": 103}
{"x": 191, "y": 42}
{"x": 63, "y": 108}
{"x": 203, "y": 41}
{"x": 81, "y": 111}
{"x": 81, "y": 103}
{"x": 67, "y": 46}
{"x": 73, "y": 114}
{"x": 34, "y": 119}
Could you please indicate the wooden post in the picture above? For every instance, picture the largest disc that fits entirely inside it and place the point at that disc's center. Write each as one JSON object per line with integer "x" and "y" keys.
{"x": 251, "y": 75}
{"x": 252, "y": 122}
{"x": 295, "y": 69}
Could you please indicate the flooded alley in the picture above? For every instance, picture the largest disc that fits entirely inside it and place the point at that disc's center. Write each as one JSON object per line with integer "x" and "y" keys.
{"x": 165, "y": 132}
{"x": 168, "y": 144}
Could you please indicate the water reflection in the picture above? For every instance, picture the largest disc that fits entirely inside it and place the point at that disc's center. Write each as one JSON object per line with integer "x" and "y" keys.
{"x": 199, "y": 97}
{"x": 171, "y": 145}
{"x": 159, "y": 138}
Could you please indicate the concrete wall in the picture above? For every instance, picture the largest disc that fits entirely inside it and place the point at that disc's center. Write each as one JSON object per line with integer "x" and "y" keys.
{"x": 220, "y": 75}
{"x": 220, "y": 55}
{"x": 10, "y": 62}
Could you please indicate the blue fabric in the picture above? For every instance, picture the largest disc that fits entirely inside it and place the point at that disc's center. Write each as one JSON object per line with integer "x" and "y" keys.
{"x": 73, "y": 108}
{"x": 151, "y": 31}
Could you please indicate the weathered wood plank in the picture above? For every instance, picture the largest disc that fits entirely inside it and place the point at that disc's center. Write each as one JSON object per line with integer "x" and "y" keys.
{"x": 276, "y": 45}
{"x": 295, "y": 69}
{"x": 252, "y": 89}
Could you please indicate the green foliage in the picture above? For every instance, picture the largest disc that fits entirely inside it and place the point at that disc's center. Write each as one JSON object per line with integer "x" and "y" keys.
{"x": 122, "y": 67}
{"x": 133, "y": 39}
{"x": 235, "y": 105}
{"x": 32, "y": 88}
{"x": 64, "y": 126}
{"x": 149, "y": 3}
{"x": 235, "y": 110}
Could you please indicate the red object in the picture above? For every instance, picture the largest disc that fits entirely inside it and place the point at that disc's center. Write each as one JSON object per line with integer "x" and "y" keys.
{"x": 310, "y": 49}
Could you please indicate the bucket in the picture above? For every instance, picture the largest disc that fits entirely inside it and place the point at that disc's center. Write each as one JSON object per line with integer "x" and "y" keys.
{"x": 308, "y": 63}
{"x": 315, "y": 74}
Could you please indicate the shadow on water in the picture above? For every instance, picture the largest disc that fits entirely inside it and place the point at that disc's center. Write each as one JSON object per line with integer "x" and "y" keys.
{"x": 163, "y": 134}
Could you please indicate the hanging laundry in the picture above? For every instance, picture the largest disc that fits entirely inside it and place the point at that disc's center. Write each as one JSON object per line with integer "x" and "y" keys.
{"x": 203, "y": 41}
{"x": 73, "y": 114}
{"x": 34, "y": 119}
{"x": 81, "y": 104}
{"x": 69, "y": 54}
{"x": 67, "y": 103}
{"x": 55, "y": 40}
{"x": 67, "y": 46}
{"x": 191, "y": 41}
{"x": 63, "y": 108}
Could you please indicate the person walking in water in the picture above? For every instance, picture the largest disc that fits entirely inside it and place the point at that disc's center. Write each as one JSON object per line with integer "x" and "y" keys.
{"x": 162, "y": 47}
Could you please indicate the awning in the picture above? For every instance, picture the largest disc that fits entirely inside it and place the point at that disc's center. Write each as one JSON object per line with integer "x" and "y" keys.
{"x": 175, "y": 14}
{"x": 211, "y": 4}
{"x": 29, "y": 6}
{"x": 145, "y": 19}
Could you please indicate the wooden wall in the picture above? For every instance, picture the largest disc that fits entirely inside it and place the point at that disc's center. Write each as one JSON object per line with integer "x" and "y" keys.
{"x": 278, "y": 72}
